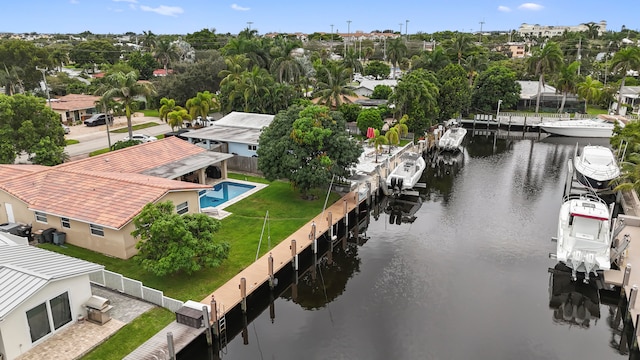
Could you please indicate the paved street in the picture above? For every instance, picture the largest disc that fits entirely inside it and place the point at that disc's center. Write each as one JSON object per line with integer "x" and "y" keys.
{"x": 94, "y": 138}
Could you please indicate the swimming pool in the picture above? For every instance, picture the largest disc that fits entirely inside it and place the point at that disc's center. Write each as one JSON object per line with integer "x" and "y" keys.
{"x": 222, "y": 192}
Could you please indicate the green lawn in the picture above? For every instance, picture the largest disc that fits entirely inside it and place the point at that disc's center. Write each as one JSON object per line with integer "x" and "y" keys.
{"x": 151, "y": 112}
{"x": 287, "y": 213}
{"x": 596, "y": 110}
{"x": 71, "y": 141}
{"x": 135, "y": 127}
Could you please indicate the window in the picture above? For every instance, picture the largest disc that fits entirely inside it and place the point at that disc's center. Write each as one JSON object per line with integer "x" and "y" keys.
{"x": 182, "y": 208}
{"x": 41, "y": 217}
{"x": 60, "y": 310}
{"x": 253, "y": 147}
{"x": 96, "y": 229}
{"x": 38, "y": 322}
{"x": 65, "y": 222}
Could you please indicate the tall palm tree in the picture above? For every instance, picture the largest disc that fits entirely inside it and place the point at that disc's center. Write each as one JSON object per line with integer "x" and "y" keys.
{"x": 176, "y": 118}
{"x": 255, "y": 89}
{"x": 592, "y": 30}
{"x": 11, "y": 79}
{"x": 165, "y": 52}
{"x": 333, "y": 86}
{"x": 590, "y": 90}
{"x": 624, "y": 60}
{"x": 285, "y": 67}
{"x": 149, "y": 40}
{"x": 167, "y": 106}
{"x": 351, "y": 62}
{"x": 567, "y": 81}
{"x": 460, "y": 44}
{"x": 546, "y": 59}
{"x": 475, "y": 64}
{"x": 396, "y": 50}
{"x": 125, "y": 88}
{"x": 236, "y": 65}
{"x": 431, "y": 60}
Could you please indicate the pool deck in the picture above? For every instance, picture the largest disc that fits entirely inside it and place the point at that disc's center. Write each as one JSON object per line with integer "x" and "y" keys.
{"x": 218, "y": 212}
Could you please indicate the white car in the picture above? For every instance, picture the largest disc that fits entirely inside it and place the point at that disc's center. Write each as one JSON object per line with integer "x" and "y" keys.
{"x": 141, "y": 137}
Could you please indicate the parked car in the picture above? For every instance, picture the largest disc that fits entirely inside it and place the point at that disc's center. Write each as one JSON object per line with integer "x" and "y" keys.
{"x": 178, "y": 133}
{"x": 141, "y": 137}
{"x": 99, "y": 119}
{"x": 65, "y": 128}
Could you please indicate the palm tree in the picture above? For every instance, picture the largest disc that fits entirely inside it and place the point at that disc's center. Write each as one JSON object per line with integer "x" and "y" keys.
{"x": 285, "y": 67}
{"x": 236, "y": 65}
{"x": 11, "y": 79}
{"x": 474, "y": 65}
{"x": 333, "y": 86}
{"x": 567, "y": 80}
{"x": 392, "y": 137}
{"x": 126, "y": 89}
{"x": 460, "y": 44}
{"x": 176, "y": 118}
{"x": 165, "y": 52}
{"x": 149, "y": 40}
{"x": 547, "y": 59}
{"x": 201, "y": 104}
{"x": 378, "y": 141}
{"x": 396, "y": 50}
{"x": 351, "y": 62}
{"x": 590, "y": 90}
{"x": 623, "y": 61}
{"x": 255, "y": 89}
{"x": 592, "y": 30}
{"x": 431, "y": 60}
{"x": 167, "y": 106}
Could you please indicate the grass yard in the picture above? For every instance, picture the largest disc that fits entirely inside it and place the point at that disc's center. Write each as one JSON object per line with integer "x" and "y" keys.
{"x": 71, "y": 141}
{"x": 151, "y": 112}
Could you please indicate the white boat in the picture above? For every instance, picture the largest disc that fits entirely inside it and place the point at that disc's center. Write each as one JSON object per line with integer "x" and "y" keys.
{"x": 452, "y": 139}
{"x": 406, "y": 175}
{"x": 584, "y": 128}
{"x": 596, "y": 166}
{"x": 584, "y": 235}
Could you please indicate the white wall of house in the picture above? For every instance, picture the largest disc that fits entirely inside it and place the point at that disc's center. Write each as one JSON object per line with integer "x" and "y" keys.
{"x": 14, "y": 330}
{"x": 242, "y": 149}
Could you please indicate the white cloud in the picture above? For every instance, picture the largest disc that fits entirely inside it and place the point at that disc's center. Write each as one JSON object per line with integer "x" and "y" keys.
{"x": 129, "y": 1}
{"x": 504, "y": 8}
{"x": 163, "y": 10}
{"x": 531, "y": 6}
{"x": 239, "y": 8}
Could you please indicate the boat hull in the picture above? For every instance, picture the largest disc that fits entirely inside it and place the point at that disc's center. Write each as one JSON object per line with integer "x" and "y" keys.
{"x": 596, "y": 167}
{"x": 585, "y": 128}
{"x": 406, "y": 175}
{"x": 452, "y": 139}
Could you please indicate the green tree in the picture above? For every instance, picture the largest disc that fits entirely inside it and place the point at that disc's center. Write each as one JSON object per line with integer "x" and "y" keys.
{"x": 332, "y": 86}
{"x": 92, "y": 53}
{"x": 11, "y": 79}
{"x": 307, "y": 146}
{"x": 176, "y": 118}
{"x": 149, "y": 40}
{"x": 204, "y": 39}
{"x": 590, "y": 90}
{"x": 567, "y": 81}
{"x": 381, "y": 92}
{"x": 126, "y": 89}
{"x": 202, "y": 104}
{"x": 431, "y": 60}
{"x": 350, "y": 111}
{"x": 416, "y": 95}
{"x": 172, "y": 243}
{"x": 369, "y": 118}
{"x": 455, "y": 94}
{"x": 624, "y": 60}
{"x": 459, "y": 45}
{"x": 167, "y": 106}
{"x": 27, "y": 125}
{"x": 396, "y": 50}
{"x": 543, "y": 60}
{"x": 377, "y": 69}
{"x": 144, "y": 63}
{"x": 352, "y": 62}
{"x": 495, "y": 83}
{"x": 165, "y": 52}
{"x": 27, "y": 56}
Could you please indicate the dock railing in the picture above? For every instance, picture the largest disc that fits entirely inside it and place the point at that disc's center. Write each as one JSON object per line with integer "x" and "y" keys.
{"x": 117, "y": 282}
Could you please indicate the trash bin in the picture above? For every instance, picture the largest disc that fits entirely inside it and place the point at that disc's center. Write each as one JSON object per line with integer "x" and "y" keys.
{"x": 47, "y": 235}
{"x": 59, "y": 237}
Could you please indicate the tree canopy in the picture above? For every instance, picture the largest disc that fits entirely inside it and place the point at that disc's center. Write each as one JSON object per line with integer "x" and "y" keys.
{"x": 172, "y": 243}
{"x": 307, "y": 146}
{"x": 493, "y": 84}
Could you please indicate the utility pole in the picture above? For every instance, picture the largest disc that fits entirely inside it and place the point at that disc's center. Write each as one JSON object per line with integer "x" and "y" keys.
{"x": 331, "y": 52}
{"x": 348, "y": 35}
{"x": 481, "y": 23}
{"x": 406, "y": 30}
{"x": 579, "y": 55}
{"x": 249, "y": 24}
{"x": 46, "y": 87}
{"x": 400, "y": 29}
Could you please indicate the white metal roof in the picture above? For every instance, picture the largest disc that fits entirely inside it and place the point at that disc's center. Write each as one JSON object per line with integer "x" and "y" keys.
{"x": 25, "y": 269}
{"x": 245, "y": 120}
{"x": 529, "y": 89}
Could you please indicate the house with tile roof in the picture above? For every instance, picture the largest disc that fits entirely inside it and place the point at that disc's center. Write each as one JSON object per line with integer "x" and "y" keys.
{"x": 74, "y": 108}
{"x": 94, "y": 200}
{"x": 41, "y": 293}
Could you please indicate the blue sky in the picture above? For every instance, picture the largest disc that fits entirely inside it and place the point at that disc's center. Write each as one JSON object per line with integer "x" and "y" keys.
{"x": 187, "y": 16}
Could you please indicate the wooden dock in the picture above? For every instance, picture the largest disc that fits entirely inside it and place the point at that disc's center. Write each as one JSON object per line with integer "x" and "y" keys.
{"x": 229, "y": 295}
{"x": 157, "y": 347}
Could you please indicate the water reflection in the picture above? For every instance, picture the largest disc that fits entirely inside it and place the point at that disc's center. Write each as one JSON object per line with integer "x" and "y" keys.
{"x": 399, "y": 209}
{"x": 574, "y": 303}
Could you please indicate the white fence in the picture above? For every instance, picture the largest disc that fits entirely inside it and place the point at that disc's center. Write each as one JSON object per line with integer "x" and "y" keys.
{"x": 134, "y": 288}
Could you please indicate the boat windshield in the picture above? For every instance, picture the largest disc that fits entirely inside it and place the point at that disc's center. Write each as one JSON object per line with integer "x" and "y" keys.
{"x": 587, "y": 228}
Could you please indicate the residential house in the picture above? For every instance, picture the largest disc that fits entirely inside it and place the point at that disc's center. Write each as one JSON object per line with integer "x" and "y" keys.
{"x": 366, "y": 86}
{"x": 41, "y": 293}
{"x": 94, "y": 200}
{"x": 629, "y": 96}
{"x": 74, "y": 108}
{"x": 550, "y": 98}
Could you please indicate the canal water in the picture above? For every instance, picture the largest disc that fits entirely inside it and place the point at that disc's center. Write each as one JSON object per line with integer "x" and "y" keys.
{"x": 464, "y": 277}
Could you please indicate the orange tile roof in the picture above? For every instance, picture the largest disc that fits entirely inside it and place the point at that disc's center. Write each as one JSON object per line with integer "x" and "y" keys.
{"x": 73, "y": 102}
{"x": 139, "y": 158}
{"x": 107, "y": 190}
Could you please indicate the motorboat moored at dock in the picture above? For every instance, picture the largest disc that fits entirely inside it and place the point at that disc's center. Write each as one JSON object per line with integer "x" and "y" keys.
{"x": 406, "y": 175}
{"x": 596, "y": 166}
{"x": 452, "y": 138}
{"x": 584, "y": 128}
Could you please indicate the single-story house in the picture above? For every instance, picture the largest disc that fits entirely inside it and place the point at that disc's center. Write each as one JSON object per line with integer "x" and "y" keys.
{"x": 74, "y": 108}
{"x": 550, "y": 98}
{"x": 94, "y": 200}
{"x": 367, "y": 86}
{"x": 629, "y": 96}
{"x": 41, "y": 293}
{"x": 238, "y": 132}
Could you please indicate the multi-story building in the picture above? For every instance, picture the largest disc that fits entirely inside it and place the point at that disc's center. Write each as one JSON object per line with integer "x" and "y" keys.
{"x": 537, "y": 30}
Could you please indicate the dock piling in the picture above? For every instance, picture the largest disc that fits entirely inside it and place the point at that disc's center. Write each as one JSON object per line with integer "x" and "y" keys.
{"x": 635, "y": 332}
{"x": 270, "y": 270}
{"x": 346, "y": 214}
{"x": 214, "y": 317}
{"x": 632, "y": 296}
{"x": 243, "y": 294}
{"x": 294, "y": 255}
{"x": 207, "y": 325}
{"x": 627, "y": 274}
{"x": 313, "y": 237}
{"x": 170, "y": 347}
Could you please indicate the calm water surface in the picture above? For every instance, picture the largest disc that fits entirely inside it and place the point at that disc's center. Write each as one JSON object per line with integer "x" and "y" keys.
{"x": 467, "y": 279}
